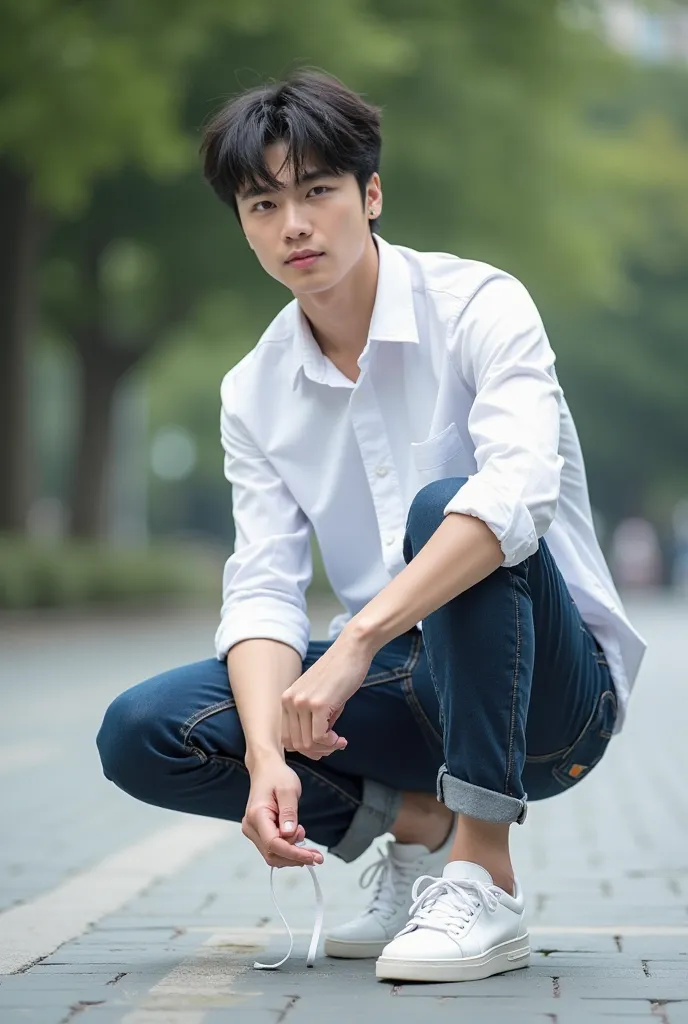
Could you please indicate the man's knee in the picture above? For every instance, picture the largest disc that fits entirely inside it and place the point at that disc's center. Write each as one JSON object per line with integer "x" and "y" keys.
{"x": 130, "y": 743}
{"x": 427, "y": 512}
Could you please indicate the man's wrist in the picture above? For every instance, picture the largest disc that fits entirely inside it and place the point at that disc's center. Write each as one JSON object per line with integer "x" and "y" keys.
{"x": 366, "y": 631}
{"x": 259, "y": 756}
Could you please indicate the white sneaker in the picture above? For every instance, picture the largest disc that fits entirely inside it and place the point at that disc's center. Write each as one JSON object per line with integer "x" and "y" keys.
{"x": 395, "y": 872}
{"x": 462, "y": 927}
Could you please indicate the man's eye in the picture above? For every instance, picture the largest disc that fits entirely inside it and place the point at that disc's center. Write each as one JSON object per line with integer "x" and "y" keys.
{"x": 264, "y": 203}
{"x": 320, "y": 189}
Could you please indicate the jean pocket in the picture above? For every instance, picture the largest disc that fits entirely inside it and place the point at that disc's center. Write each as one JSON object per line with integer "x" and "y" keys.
{"x": 582, "y": 756}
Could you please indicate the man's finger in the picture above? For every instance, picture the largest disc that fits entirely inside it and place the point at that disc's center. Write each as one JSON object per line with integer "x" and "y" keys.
{"x": 297, "y": 837}
{"x": 280, "y": 862}
{"x": 281, "y": 849}
{"x": 293, "y": 854}
{"x": 320, "y": 728}
{"x": 263, "y": 821}
{"x": 287, "y": 804}
{"x": 337, "y": 742}
{"x": 293, "y": 728}
{"x": 330, "y": 742}
{"x": 316, "y": 753}
{"x": 271, "y": 859}
{"x": 305, "y": 729}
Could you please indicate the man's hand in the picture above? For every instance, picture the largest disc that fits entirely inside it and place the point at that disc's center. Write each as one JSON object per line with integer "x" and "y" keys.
{"x": 315, "y": 701}
{"x": 271, "y": 817}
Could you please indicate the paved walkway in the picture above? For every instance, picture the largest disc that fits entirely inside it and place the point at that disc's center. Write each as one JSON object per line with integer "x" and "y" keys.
{"x": 115, "y": 912}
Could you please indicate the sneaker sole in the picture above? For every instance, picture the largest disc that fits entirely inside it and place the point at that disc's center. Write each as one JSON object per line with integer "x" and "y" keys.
{"x": 508, "y": 956}
{"x": 347, "y": 950}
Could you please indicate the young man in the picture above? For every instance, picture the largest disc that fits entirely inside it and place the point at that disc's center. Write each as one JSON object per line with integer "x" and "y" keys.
{"x": 405, "y": 407}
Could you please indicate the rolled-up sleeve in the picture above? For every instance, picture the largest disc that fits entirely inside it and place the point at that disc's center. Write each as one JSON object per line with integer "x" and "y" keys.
{"x": 500, "y": 347}
{"x": 265, "y": 579}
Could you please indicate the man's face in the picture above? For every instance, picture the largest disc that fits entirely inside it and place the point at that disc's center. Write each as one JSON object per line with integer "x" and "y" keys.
{"x": 322, "y": 214}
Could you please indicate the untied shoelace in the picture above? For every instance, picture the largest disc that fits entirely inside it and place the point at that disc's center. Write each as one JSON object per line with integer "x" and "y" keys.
{"x": 374, "y": 871}
{"x": 378, "y": 872}
{"x": 317, "y": 926}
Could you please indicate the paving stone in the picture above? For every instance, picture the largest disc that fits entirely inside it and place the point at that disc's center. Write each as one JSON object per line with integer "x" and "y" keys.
{"x": 63, "y": 996}
{"x": 612, "y": 1015}
{"x": 624, "y": 988}
{"x": 35, "y": 981}
{"x": 36, "y": 1015}
{"x": 587, "y": 859}
{"x": 514, "y": 985}
{"x": 588, "y": 943}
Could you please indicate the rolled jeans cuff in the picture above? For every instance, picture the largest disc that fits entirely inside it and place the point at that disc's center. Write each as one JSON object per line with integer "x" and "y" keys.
{"x": 476, "y": 802}
{"x": 374, "y": 816}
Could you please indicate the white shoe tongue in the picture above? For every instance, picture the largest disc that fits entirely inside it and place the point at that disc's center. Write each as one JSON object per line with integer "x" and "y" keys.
{"x": 459, "y": 869}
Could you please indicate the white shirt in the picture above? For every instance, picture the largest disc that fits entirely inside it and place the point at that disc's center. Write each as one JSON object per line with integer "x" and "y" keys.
{"x": 457, "y": 378}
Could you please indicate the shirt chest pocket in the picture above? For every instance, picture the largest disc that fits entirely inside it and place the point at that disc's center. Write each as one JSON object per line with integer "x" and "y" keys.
{"x": 442, "y": 456}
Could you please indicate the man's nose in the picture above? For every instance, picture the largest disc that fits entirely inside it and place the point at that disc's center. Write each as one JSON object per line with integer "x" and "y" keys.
{"x": 296, "y": 223}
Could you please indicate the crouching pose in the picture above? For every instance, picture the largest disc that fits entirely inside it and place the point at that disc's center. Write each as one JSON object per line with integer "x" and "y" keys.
{"x": 404, "y": 407}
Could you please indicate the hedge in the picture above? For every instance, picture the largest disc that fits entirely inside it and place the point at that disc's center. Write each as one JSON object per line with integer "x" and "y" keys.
{"x": 41, "y": 575}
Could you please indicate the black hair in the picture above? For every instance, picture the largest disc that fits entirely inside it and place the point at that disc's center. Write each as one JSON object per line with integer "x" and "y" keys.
{"x": 312, "y": 113}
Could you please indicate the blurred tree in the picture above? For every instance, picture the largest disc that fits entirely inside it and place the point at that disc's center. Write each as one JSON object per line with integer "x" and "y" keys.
{"x": 486, "y": 129}
{"x": 628, "y": 362}
{"x": 84, "y": 88}
{"x": 140, "y": 255}
{"x": 489, "y": 152}
{"x": 492, "y": 150}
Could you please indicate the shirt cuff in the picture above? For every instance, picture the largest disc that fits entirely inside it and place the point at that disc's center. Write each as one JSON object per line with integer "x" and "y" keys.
{"x": 511, "y": 522}
{"x": 262, "y": 619}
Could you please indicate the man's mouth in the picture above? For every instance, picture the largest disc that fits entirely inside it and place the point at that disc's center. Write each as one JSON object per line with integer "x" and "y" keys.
{"x": 303, "y": 259}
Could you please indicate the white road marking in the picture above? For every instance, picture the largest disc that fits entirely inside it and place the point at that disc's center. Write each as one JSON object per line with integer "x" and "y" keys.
{"x": 245, "y": 936}
{"x": 30, "y": 932}
{"x": 201, "y": 982}
{"x": 171, "y": 1017}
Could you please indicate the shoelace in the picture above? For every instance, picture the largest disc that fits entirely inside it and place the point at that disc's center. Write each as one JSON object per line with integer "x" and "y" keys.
{"x": 380, "y": 871}
{"x": 445, "y": 900}
{"x": 376, "y": 872}
{"x": 317, "y": 926}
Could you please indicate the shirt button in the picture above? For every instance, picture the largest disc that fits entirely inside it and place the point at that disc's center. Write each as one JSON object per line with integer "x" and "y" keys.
{"x": 382, "y": 471}
{"x": 389, "y": 539}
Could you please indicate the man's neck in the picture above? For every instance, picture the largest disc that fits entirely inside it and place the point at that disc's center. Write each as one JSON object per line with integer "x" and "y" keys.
{"x": 340, "y": 318}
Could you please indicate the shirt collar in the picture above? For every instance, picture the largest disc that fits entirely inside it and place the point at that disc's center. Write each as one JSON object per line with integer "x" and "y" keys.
{"x": 393, "y": 316}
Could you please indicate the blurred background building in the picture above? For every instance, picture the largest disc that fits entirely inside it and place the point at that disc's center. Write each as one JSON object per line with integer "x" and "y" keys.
{"x": 548, "y": 138}
{"x": 655, "y": 33}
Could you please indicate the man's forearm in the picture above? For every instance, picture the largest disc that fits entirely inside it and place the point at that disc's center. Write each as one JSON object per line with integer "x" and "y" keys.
{"x": 260, "y": 671}
{"x": 461, "y": 552}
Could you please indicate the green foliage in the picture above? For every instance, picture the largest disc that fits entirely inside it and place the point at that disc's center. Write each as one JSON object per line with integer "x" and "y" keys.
{"x": 512, "y": 134}
{"x": 34, "y": 575}
{"x": 626, "y": 365}
{"x": 90, "y": 87}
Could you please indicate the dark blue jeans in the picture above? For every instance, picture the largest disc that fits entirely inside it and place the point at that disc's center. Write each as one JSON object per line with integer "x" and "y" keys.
{"x": 505, "y": 696}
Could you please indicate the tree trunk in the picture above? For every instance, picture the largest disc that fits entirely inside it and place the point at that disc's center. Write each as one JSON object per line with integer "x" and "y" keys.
{"x": 99, "y": 379}
{"x": 100, "y": 365}
{"x": 104, "y": 361}
{"x": 18, "y": 255}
